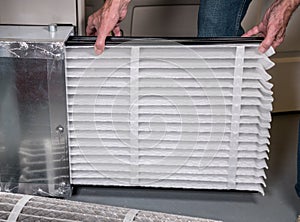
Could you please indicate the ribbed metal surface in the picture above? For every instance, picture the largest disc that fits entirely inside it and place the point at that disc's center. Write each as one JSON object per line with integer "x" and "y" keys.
{"x": 169, "y": 116}
{"x": 43, "y": 168}
{"x": 35, "y": 161}
{"x": 49, "y": 209}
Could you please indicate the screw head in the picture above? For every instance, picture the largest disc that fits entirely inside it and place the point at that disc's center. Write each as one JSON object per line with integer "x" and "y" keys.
{"x": 52, "y": 27}
{"x": 60, "y": 129}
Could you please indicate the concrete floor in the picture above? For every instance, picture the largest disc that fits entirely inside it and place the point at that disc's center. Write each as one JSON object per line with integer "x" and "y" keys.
{"x": 280, "y": 204}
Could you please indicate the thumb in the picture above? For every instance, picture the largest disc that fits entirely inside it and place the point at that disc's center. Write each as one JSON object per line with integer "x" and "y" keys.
{"x": 254, "y": 31}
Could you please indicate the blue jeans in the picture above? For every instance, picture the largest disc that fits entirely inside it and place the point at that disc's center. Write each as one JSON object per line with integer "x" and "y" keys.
{"x": 221, "y": 18}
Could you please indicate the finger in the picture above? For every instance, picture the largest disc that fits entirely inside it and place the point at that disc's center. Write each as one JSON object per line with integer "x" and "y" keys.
{"x": 92, "y": 23}
{"x": 100, "y": 44}
{"x": 278, "y": 42}
{"x": 261, "y": 35}
{"x": 268, "y": 41}
{"x": 107, "y": 23}
{"x": 91, "y": 32}
{"x": 103, "y": 31}
{"x": 90, "y": 28}
{"x": 254, "y": 31}
{"x": 117, "y": 31}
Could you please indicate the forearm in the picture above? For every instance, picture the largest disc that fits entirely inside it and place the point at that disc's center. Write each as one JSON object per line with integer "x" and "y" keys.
{"x": 115, "y": 10}
{"x": 289, "y": 5}
{"x": 118, "y": 3}
{"x": 287, "y": 8}
{"x": 296, "y": 3}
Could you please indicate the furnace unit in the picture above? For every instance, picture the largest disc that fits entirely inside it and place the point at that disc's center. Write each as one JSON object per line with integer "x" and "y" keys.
{"x": 173, "y": 113}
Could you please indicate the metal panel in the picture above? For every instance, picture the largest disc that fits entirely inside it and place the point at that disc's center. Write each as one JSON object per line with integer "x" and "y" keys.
{"x": 35, "y": 12}
{"x": 33, "y": 114}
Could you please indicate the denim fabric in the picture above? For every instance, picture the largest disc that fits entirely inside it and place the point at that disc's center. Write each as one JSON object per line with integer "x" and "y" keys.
{"x": 298, "y": 165}
{"x": 218, "y": 18}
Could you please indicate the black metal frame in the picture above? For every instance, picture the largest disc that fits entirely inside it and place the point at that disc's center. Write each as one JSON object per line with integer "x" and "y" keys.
{"x": 90, "y": 40}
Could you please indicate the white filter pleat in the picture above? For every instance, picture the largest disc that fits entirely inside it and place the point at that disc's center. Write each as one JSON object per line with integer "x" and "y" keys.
{"x": 195, "y": 116}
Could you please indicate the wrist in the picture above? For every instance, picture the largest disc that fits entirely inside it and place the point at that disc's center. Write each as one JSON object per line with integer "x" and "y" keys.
{"x": 295, "y": 4}
{"x": 119, "y": 1}
{"x": 123, "y": 1}
{"x": 291, "y": 5}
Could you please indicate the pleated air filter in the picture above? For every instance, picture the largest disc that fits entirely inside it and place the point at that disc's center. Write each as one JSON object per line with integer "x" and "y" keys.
{"x": 192, "y": 113}
{"x": 16, "y": 207}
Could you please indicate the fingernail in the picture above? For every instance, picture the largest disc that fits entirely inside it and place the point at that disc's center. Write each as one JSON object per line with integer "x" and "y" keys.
{"x": 261, "y": 51}
{"x": 98, "y": 51}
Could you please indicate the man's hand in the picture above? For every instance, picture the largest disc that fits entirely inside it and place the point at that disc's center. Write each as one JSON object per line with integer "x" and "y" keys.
{"x": 105, "y": 21}
{"x": 274, "y": 23}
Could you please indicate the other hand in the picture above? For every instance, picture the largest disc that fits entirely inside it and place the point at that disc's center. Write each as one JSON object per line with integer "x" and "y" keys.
{"x": 274, "y": 24}
{"x": 106, "y": 20}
